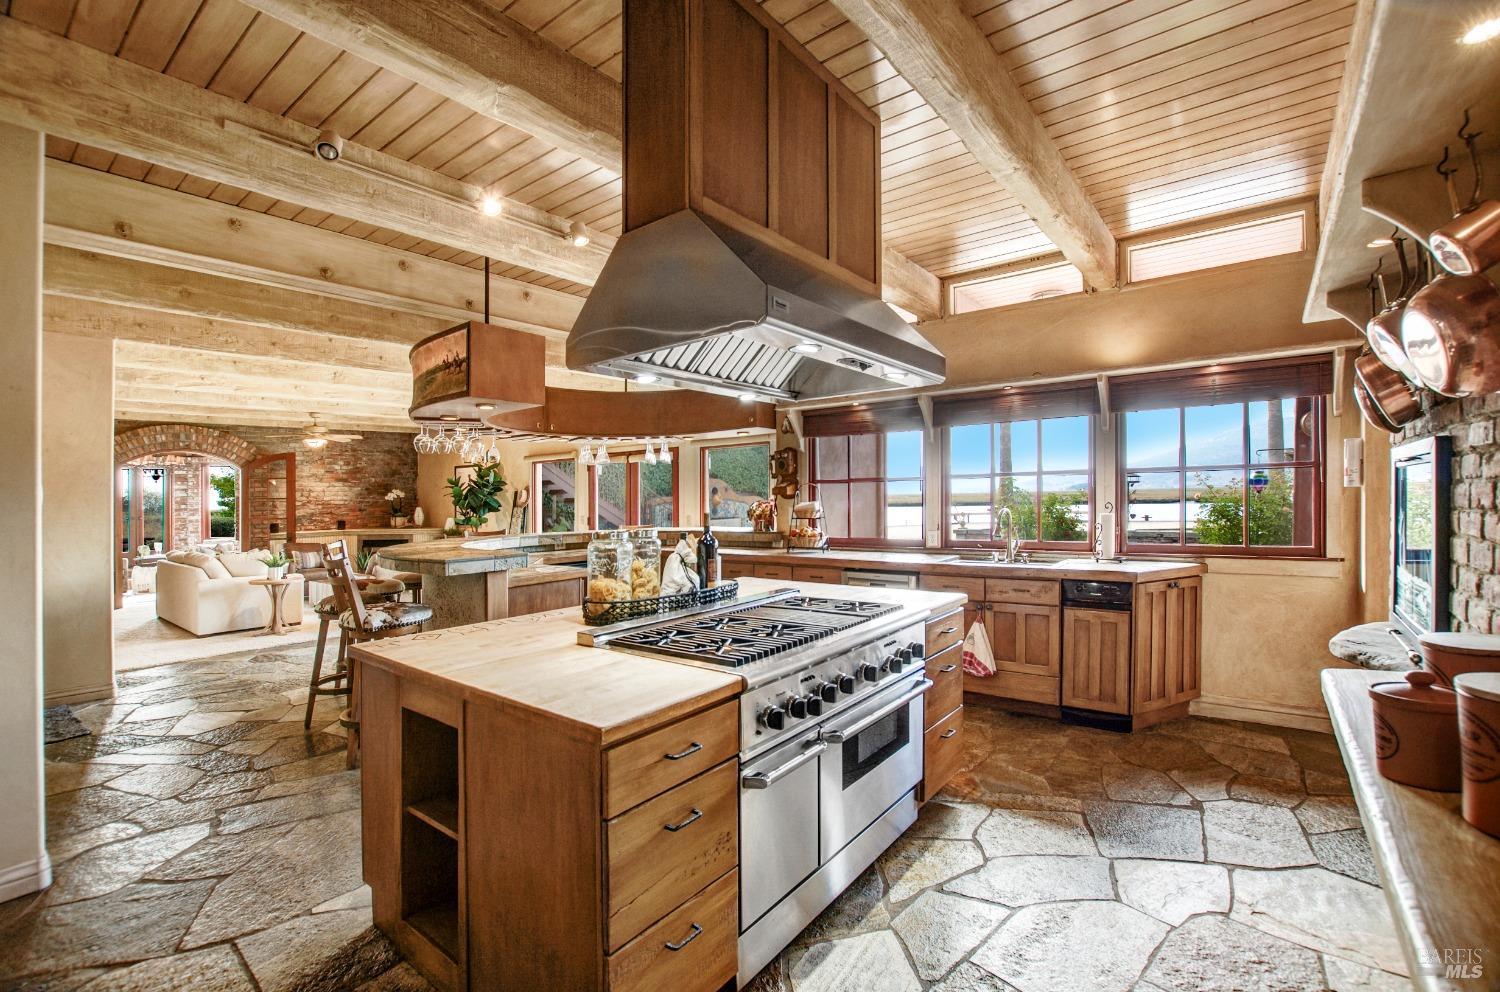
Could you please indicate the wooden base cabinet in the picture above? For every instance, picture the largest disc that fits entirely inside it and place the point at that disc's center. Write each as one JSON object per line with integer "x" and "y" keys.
{"x": 1027, "y": 643}
{"x": 507, "y": 851}
{"x": 1096, "y": 660}
{"x": 943, "y": 709}
{"x": 1168, "y": 639}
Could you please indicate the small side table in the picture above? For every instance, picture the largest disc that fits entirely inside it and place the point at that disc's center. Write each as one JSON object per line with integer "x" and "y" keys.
{"x": 276, "y": 588}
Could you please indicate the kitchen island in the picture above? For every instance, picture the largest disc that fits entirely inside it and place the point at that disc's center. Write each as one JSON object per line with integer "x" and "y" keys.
{"x": 543, "y": 814}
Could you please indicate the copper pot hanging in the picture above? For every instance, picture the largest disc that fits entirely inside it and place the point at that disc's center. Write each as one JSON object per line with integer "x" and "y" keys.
{"x": 1470, "y": 242}
{"x": 1383, "y": 331}
{"x": 1387, "y": 400}
{"x": 1450, "y": 332}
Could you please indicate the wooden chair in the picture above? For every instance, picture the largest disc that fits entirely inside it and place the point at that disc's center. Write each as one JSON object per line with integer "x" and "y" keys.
{"x": 307, "y": 561}
{"x": 328, "y": 610}
{"x": 362, "y": 621}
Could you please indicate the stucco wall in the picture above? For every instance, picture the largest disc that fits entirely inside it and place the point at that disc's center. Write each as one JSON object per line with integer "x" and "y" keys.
{"x": 78, "y": 517}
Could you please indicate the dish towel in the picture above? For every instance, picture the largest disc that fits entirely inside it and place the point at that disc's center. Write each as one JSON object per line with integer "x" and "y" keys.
{"x": 979, "y": 659}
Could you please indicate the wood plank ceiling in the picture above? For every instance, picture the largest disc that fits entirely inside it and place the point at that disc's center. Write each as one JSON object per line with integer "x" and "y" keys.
{"x": 1166, "y": 110}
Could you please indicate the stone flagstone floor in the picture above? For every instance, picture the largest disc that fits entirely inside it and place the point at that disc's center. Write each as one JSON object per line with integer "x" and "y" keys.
{"x": 202, "y": 840}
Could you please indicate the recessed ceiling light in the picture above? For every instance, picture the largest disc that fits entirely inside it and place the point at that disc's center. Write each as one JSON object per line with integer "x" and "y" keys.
{"x": 1482, "y": 32}
{"x": 578, "y": 234}
{"x": 895, "y": 375}
{"x": 448, "y": 416}
{"x": 490, "y": 205}
{"x": 647, "y": 378}
{"x": 484, "y": 406}
{"x": 743, "y": 433}
{"x": 807, "y": 348}
{"x": 1380, "y": 243}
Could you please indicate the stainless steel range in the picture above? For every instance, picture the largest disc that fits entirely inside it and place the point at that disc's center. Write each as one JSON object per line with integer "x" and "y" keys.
{"x": 830, "y": 741}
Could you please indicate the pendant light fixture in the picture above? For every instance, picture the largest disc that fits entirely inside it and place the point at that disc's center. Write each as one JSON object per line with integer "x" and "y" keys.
{"x": 650, "y": 456}
{"x": 601, "y": 457}
{"x": 666, "y": 452}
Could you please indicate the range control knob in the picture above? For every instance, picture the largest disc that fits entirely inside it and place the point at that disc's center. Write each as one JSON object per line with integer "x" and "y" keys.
{"x": 814, "y": 705}
{"x": 846, "y": 684}
{"x": 829, "y": 691}
{"x": 773, "y": 717}
{"x": 894, "y": 663}
{"x": 797, "y": 707}
{"x": 869, "y": 673}
{"x": 917, "y": 649}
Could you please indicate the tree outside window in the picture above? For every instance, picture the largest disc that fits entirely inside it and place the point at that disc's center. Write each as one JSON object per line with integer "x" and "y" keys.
{"x": 1042, "y": 470}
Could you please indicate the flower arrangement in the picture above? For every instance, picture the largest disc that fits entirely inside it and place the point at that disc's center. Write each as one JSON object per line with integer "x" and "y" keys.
{"x": 397, "y": 499}
{"x": 762, "y": 514}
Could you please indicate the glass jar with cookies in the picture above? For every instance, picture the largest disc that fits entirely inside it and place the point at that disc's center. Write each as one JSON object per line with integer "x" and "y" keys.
{"x": 610, "y": 556}
{"x": 645, "y": 563}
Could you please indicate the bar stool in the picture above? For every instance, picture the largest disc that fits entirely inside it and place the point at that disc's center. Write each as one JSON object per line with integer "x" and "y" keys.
{"x": 328, "y": 610}
{"x": 362, "y": 622}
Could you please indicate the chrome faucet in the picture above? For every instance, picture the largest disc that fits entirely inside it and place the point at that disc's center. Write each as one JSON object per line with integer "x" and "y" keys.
{"x": 1007, "y": 551}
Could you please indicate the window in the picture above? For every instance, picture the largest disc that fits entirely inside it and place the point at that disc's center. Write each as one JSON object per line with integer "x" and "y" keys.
{"x": 1240, "y": 477}
{"x": 1020, "y": 286}
{"x": 1041, "y": 469}
{"x": 221, "y": 500}
{"x": 1264, "y": 238}
{"x": 735, "y": 476}
{"x": 870, "y": 486}
{"x": 553, "y": 486}
{"x": 633, "y": 493}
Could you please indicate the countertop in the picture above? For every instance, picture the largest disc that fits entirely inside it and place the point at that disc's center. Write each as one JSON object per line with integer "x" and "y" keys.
{"x": 948, "y": 563}
{"x": 536, "y": 662}
{"x": 1438, "y": 872}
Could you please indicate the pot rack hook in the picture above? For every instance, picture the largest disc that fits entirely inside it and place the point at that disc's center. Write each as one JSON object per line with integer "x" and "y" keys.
{"x": 1471, "y": 142}
{"x": 1374, "y": 284}
{"x": 1406, "y": 270}
{"x": 1447, "y": 172}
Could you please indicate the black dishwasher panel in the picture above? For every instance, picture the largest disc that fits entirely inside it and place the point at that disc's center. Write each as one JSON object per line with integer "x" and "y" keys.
{"x": 1093, "y": 595}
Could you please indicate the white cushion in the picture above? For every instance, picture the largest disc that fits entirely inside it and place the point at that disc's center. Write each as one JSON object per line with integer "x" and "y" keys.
{"x": 240, "y": 565}
{"x": 208, "y": 563}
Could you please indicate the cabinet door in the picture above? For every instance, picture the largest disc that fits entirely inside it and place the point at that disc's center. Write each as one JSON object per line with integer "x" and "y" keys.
{"x": 1165, "y": 652}
{"x": 1096, "y": 660}
{"x": 1025, "y": 638}
{"x": 969, "y": 586}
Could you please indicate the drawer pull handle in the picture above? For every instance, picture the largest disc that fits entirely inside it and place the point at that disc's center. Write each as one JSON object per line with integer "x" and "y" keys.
{"x": 694, "y": 815}
{"x": 693, "y": 748}
{"x": 686, "y": 940}
{"x": 947, "y": 630}
{"x": 948, "y": 668}
{"x": 950, "y": 733}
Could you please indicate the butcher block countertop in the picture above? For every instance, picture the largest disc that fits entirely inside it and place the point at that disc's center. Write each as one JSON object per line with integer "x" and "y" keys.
{"x": 536, "y": 662}
{"x": 948, "y": 563}
{"x": 1438, "y": 872}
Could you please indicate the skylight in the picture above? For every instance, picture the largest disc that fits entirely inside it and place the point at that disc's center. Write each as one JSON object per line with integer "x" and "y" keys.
{"x": 1021, "y": 286}
{"x": 1283, "y": 234}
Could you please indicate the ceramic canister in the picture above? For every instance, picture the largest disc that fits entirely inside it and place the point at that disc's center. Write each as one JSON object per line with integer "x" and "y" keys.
{"x": 1448, "y": 654}
{"x": 1416, "y": 732}
{"x": 1479, "y": 747}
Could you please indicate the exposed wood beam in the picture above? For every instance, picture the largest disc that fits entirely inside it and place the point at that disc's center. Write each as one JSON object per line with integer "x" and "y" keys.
{"x": 192, "y": 363}
{"x": 132, "y": 110}
{"x": 108, "y": 214}
{"x": 152, "y": 412}
{"x": 911, "y": 287}
{"x": 169, "y": 398}
{"x": 941, "y": 52}
{"x": 109, "y": 279}
{"x": 470, "y": 53}
{"x": 210, "y": 386}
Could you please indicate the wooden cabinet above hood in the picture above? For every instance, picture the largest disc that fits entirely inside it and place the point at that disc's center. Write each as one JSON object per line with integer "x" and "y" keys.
{"x": 726, "y": 114}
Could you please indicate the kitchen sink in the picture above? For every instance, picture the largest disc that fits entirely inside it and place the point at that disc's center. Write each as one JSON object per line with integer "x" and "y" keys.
{"x": 987, "y": 558}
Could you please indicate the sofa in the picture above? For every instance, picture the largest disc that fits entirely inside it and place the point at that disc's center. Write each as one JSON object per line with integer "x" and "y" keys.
{"x": 211, "y": 594}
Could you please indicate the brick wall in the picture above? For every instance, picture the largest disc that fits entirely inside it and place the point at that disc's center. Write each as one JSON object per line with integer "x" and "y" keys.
{"x": 1473, "y": 424}
{"x": 337, "y": 482}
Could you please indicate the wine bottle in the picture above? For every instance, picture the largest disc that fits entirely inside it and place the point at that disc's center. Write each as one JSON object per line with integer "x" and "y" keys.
{"x": 708, "y": 556}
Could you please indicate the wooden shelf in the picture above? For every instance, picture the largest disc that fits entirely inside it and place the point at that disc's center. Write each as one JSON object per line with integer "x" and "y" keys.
{"x": 1434, "y": 867}
{"x": 440, "y": 813}
{"x": 439, "y": 925}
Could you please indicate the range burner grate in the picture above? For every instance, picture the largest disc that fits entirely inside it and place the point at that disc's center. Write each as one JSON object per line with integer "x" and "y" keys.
{"x": 824, "y": 604}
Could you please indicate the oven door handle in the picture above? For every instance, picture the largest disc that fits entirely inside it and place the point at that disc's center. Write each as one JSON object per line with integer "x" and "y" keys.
{"x": 764, "y": 780}
{"x": 839, "y": 735}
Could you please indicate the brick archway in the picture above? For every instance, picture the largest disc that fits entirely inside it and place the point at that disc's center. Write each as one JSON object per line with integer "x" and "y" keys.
{"x": 160, "y": 438}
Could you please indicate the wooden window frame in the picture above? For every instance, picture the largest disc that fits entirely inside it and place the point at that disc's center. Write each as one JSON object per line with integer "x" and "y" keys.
{"x": 137, "y": 485}
{"x": 536, "y": 492}
{"x": 703, "y": 457}
{"x": 813, "y": 482}
{"x": 946, "y": 440}
{"x": 1317, "y": 464}
{"x": 633, "y": 463}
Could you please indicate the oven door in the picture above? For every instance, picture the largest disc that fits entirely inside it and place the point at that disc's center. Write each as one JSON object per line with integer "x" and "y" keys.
{"x": 874, "y": 758}
{"x": 778, "y": 824}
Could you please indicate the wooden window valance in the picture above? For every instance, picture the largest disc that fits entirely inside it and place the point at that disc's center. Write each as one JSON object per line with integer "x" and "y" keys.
{"x": 863, "y": 418}
{"x": 1056, "y": 399}
{"x": 1245, "y": 382}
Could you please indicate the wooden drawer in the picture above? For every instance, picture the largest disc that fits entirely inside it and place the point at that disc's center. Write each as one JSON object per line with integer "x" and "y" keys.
{"x": 663, "y": 851}
{"x": 650, "y": 765}
{"x": 818, "y": 573}
{"x": 735, "y": 568}
{"x": 704, "y": 932}
{"x": 947, "y": 693}
{"x": 1043, "y": 689}
{"x": 943, "y": 750}
{"x": 773, "y": 571}
{"x": 968, "y": 585}
{"x": 944, "y": 632}
{"x": 1041, "y": 591}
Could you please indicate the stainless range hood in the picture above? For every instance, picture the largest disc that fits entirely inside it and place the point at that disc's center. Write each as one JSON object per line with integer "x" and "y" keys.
{"x": 686, "y": 300}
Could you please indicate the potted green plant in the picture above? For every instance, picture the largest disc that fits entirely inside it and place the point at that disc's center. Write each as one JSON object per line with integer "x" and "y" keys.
{"x": 476, "y": 497}
{"x": 363, "y": 560}
{"x": 276, "y": 564}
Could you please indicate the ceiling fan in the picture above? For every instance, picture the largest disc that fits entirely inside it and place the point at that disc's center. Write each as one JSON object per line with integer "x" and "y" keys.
{"x": 315, "y": 435}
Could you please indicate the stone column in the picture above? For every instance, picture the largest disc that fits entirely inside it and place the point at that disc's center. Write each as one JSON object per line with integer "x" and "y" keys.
{"x": 23, "y": 856}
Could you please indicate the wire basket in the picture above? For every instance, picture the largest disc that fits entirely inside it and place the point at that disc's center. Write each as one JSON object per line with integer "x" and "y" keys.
{"x": 602, "y": 613}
